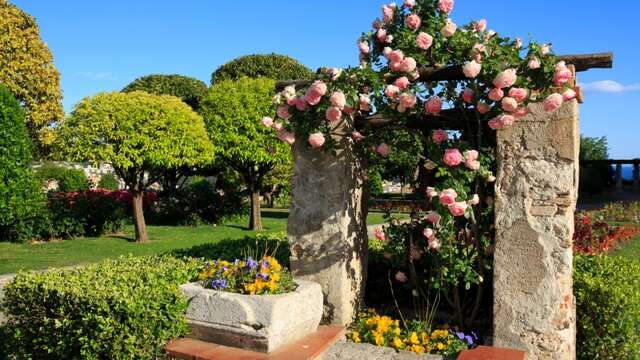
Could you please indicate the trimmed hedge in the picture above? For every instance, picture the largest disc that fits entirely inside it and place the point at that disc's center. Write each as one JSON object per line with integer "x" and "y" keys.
{"x": 188, "y": 89}
{"x": 109, "y": 182}
{"x": 272, "y": 66}
{"x": 118, "y": 309}
{"x": 69, "y": 180}
{"x": 607, "y": 291}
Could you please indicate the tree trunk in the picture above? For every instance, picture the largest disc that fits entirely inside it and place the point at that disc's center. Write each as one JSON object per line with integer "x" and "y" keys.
{"x": 255, "y": 220}
{"x": 138, "y": 217}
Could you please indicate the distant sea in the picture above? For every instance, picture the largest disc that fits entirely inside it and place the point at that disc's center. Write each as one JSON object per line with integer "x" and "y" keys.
{"x": 627, "y": 171}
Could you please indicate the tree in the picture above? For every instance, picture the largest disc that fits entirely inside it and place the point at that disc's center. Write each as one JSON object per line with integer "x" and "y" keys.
{"x": 20, "y": 195}
{"x": 272, "y": 66}
{"x": 232, "y": 112}
{"x": 27, "y": 70}
{"x": 139, "y": 134}
{"x": 594, "y": 148}
{"x": 188, "y": 89}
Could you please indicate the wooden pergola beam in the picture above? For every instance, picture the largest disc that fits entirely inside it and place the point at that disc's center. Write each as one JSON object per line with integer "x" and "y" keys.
{"x": 582, "y": 62}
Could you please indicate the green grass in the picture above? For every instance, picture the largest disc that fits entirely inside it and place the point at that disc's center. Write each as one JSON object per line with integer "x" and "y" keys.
{"x": 630, "y": 250}
{"x": 15, "y": 257}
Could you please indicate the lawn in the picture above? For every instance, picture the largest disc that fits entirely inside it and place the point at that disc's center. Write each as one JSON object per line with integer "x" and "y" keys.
{"x": 630, "y": 250}
{"x": 14, "y": 257}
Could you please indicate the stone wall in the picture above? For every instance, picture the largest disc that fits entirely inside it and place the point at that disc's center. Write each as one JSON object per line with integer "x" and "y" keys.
{"x": 326, "y": 230}
{"x": 536, "y": 191}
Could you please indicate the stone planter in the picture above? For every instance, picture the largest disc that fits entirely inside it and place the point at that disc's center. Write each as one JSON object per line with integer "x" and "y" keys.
{"x": 256, "y": 322}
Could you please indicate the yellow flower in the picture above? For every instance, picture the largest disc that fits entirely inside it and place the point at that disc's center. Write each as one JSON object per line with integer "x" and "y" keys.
{"x": 416, "y": 349}
{"x": 379, "y": 339}
{"x": 440, "y": 346}
{"x": 413, "y": 338}
{"x": 424, "y": 337}
{"x": 355, "y": 336}
{"x": 398, "y": 343}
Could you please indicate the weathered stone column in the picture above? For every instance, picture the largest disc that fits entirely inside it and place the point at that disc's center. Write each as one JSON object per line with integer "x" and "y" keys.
{"x": 327, "y": 228}
{"x": 536, "y": 193}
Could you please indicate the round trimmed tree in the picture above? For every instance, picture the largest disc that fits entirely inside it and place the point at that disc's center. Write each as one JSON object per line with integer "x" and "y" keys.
{"x": 20, "y": 195}
{"x": 272, "y": 66}
{"x": 140, "y": 135}
{"x": 232, "y": 112}
{"x": 188, "y": 89}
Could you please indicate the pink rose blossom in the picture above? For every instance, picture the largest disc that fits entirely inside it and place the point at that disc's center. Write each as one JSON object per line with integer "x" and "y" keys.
{"x": 316, "y": 140}
{"x": 446, "y": 6}
{"x": 383, "y": 150}
{"x": 522, "y": 111}
{"x": 312, "y": 98}
{"x": 364, "y": 47}
{"x": 428, "y": 233}
{"x": 401, "y": 277}
{"x": 283, "y": 112}
{"x": 562, "y": 75}
{"x": 505, "y": 79}
{"x": 377, "y": 24}
{"x": 338, "y": 99}
{"x": 402, "y": 83}
{"x": 409, "y": 3}
{"x": 287, "y": 137}
{"x": 479, "y": 48}
{"x": 545, "y": 49}
{"x": 471, "y": 69}
{"x": 292, "y": 101}
{"x": 518, "y": 43}
{"x": 379, "y": 234}
{"x": 552, "y": 102}
{"x": 519, "y": 94}
{"x": 471, "y": 155}
{"x": 267, "y": 121}
{"x": 387, "y": 52}
{"x": 301, "y": 103}
{"x": 481, "y": 25}
{"x": 452, "y": 157}
{"x": 391, "y": 91}
{"x": 501, "y": 121}
{"x": 395, "y": 66}
{"x": 534, "y": 63}
{"x": 509, "y": 104}
{"x": 433, "y": 217}
{"x": 496, "y": 94}
{"x": 434, "y": 245}
{"x": 449, "y": 29}
{"x": 396, "y": 56}
{"x": 483, "y": 108}
{"x": 277, "y": 126}
{"x": 458, "y": 208}
{"x": 433, "y": 105}
{"x": 381, "y": 35}
{"x": 333, "y": 114}
{"x": 475, "y": 200}
{"x": 472, "y": 165}
{"x": 569, "y": 94}
{"x": 357, "y": 136}
{"x": 424, "y": 41}
{"x": 387, "y": 12}
{"x": 439, "y": 136}
{"x": 467, "y": 96}
{"x": 407, "y": 100}
{"x": 334, "y": 73}
{"x": 408, "y": 64}
{"x": 365, "y": 102}
{"x": 431, "y": 193}
{"x": 448, "y": 196}
{"x": 413, "y": 22}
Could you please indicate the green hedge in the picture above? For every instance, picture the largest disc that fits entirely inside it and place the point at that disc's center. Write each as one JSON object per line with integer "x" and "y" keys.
{"x": 607, "y": 291}
{"x": 69, "y": 180}
{"x": 117, "y": 309}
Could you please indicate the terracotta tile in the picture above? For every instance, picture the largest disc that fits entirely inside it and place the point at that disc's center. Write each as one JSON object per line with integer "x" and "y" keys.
{"x": 311, "y": 346}
{"x": 491, "y": 353}
{"x": 229, "y": 353}
{"x": 187, "y": 349}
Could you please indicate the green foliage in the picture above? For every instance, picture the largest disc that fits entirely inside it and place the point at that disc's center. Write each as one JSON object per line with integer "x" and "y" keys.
{"x": 188, "y": 89}
{"x": 69, "y": 180}
{"x": 272, "y": 66}
{"x": 374, "y": 184}
{"x": 20, "y": 195}
{"x": 118, "y": 309}
{"x": 28, "y": 71}
{"x": 594, "y": 177}
{"x": 109, "y": 182}
{"x": 608, "y": 307}
{"x": 594, "y": 148}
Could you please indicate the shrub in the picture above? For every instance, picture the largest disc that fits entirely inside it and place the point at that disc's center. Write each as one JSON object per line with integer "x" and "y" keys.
{"x": 118, "y": 309}
{"x": 594, "y": 237}
{"x": 69, "y": 180}
{"x": 272, "y": 66}
{"x": 188, "y": 89}
{"x": 109, "y": 182}
{"x": 608, "y": 307}
{"x": 20, "y": 195}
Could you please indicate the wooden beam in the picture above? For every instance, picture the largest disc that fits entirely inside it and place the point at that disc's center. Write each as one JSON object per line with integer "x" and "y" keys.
{"x": 581, "y": 62}
{"x": 452, "y": 119}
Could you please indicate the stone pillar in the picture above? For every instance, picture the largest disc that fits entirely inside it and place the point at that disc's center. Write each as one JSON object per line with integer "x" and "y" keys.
{"x": 536, "y": 191}
{"x": 619, "y": 176}
{"x": 327, "y": 227}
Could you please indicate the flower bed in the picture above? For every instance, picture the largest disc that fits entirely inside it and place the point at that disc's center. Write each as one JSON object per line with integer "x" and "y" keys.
{"x": 594, "y": 237}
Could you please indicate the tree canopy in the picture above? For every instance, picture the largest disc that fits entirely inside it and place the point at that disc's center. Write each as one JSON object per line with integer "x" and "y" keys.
{"x": 594, "y": 148}
{"x": 188, "y": 89}
{"x": 27, "y": 70}
{"x": 272, "y": 66}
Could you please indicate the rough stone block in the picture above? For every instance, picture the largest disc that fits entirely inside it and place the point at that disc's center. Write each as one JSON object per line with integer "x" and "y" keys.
{"x": 256, "y": 322}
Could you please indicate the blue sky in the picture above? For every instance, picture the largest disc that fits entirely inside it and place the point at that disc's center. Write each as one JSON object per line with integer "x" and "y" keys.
{"x": 103, "y": 45}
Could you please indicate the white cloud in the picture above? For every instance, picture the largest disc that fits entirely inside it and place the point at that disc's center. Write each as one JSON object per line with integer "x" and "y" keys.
{"x": 97, "y": 76}
{"x": 609, "y": 86}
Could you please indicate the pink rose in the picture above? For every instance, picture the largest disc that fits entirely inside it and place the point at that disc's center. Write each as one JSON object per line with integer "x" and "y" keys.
{"x": 301, "y": 103}
{"x": 365, "y": 102}
{"x": 316, "y": 140}
{"x": 364, "y": 47}
{"x": 434, "y": 245}
{"x": 334, "y": 73}
{"x": 479, "y": 48}
{"x": 534, "y": 63}
{"x": 446, "y": 6}
{"x": 471, "y": 69}
{"x": 287, "y": 137}
{"x": 381, "y": 34}
{"x": 428, "y": 233}
{"x": 439, "y": 136}
{"x": 518, "y": 43}
{"x": 448, "y": 196}
{"x": 379, "y": 234}
{"x": 356, "y": 136}
{"x": 396, "y": 56}
{"x": 562, "y": 75}
{"x": 501, "y": 121}
{"x": 505, "y": 79}
{"x": 452, "y": 157}
{"x": 519, "y": 94}
{"x": 471, "y": 155}
{"x": 409, "y": 3}
{"x": 383, "y": 150}
{"x": 413, "y": 22}
{"x": 458, "y": 208}
{"x": 467, "y": 96}
{"x": 496, "y": 94}
{"x": 333, "y": 114}
{"x": 402, "y": 83}
{"x": 522, "y": 111}
{"x": 312, "y": 98}
{"x": 475, "y": 200}
{"x": 545, "y": 49}
{"x": 338, "y": 99}
{"x": 407, "y": 100}
{"x": 569, "y": 94}
{"x": 509, "y": 104}
{"x": 267, "y": 121}
{"x": 483, "y": 108}
{"x": 424, "y": 41}
{"x": 387, "y": 52}
{"x": 449, "y": 29}
{"x": 387, "y": 13}
{"x": 401, "y": 277}
{"x": 481, "y": 25}
{"x": 318, "y": 88}
{"x": 433, "y": 105}
{"x": 377, "y": 24}
{"x": 431, "y": 193}
{"x": 552, "y": 102}
{"x": 408, "y": 64}
{"x": 283, "y": 112}
{"x": 472, "y": 165}
{"x": 433, "y": 217}
{"x": 277, "y": 126}
{"x": 391, "y": 91}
